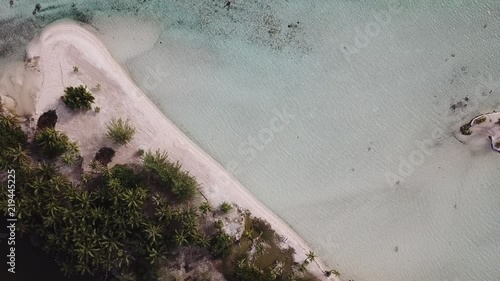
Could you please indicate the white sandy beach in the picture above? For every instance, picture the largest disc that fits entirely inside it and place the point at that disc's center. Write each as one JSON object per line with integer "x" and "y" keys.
{"x": 64, "y": 45}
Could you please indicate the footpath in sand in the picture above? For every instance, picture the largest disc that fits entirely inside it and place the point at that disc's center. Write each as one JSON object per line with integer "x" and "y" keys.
{"x": 66, "y": 44}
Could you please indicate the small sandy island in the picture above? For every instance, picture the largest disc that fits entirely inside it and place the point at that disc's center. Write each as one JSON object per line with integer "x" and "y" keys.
{"x": 64, "y": 45}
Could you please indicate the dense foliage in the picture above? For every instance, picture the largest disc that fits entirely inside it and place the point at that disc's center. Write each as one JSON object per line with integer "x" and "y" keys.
{"x": 170, "y": 174}
{"x": 78, "y": 98}
{"x": 13, "y": 142}
{"x": 51, "y": 143}
{"x": 220, "y": 245}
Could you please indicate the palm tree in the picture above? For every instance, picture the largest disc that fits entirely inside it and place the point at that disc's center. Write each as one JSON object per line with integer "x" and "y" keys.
{"x": 19, "y": 155}
{"x": 82, "y": 200}
{"x": 311, "y": 256}
{"x": 278, "y": 268}
{"x": 52, "y": 209}
{"x": 260, "y": 249}
{"x": 205, "y": 208}
{"x": 66, "y": 268}
{"x": 180, "y": 238}
{"x": 164, "y": 212}
{"x": 110, "y": 244}
{"x": 153, "y": 232}
{"x": 86, "y": 249}
{"x": 248, "y": 233}
{"x": 123, "y": 258}
{"x": 303, "y": 266}
{"x": 58, "y": 183}
{"x": 202, "y": 240}
{"x": 46, "y": 170}
{"x": 155, "y": 255}
{"x": 132, "y": 198}
{"x": 51, "y": 142}
{"x": 8, "y": 120}
{"x": 189, "y": 224}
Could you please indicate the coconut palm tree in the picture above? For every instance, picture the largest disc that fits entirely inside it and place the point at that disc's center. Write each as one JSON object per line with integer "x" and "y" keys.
{"x": 155, "y": 255}
{"x": 180, "y": 237}
{"x": 190, "y": 224}
{"x": 58, "y": 183}
{"x": 205, "y": 208}
{"x": 311, "y": 256}
{"x": 164, "y": 212}
{"x": 82, "y": 200}
{"x": 248, "y": 233}
{"x": 303, "y": 266}
{"x": 19, "y": 156}
{"x": 153, "y": 232}
{"x": 202, "y": 241}
{"x": 51, "y": 142}
{"x": 260, "y": 249}
{"x": 86, "y": 249}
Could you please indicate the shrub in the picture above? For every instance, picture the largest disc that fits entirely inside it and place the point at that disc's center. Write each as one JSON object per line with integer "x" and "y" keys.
{"x": 69, "y": 157}
{"x": 220, "y": 245}
{"x": 248, "y": 271}
{"x": 11, "y": 137}
{"x": 104, "y": 155}
{"x": 47, "y": 120}
{"x": 97, "y": 109}
{"x": 218, "y": 225}
{"x": 78, "y": 98}
{"x": 120, "y": 131}
{"x": 126, "y": 175}
{"x": 225, "y": 207}
{"x": 181, "y": 183}
{"x": 76, "y": 69}
{"x": 51, "y": 143}
{"x": 140, "y": 152}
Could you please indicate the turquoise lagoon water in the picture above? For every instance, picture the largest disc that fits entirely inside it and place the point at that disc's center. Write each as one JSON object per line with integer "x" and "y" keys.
{"x": 335, "y": 114}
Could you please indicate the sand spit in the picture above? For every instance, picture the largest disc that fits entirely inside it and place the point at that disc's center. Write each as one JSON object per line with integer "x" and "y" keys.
{"x": 63, "y": 45}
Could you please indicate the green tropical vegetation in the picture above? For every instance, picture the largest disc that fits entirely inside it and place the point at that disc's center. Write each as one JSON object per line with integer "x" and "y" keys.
{"x": 225, "y": 207}
{"x": 78, "y": 98}
{"x": 120, "y": 131}
{"x": 52, "y": 143}
{"x": 177, "y": 181}
{"x": 130, "y": 221}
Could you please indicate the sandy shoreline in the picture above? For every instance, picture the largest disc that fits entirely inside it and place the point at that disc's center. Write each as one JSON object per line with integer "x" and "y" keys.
{"x": 64, "y": 45}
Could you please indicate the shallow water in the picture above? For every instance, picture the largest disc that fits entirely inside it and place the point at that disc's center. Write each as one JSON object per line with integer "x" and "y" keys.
{"x": 335, "y": 114}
